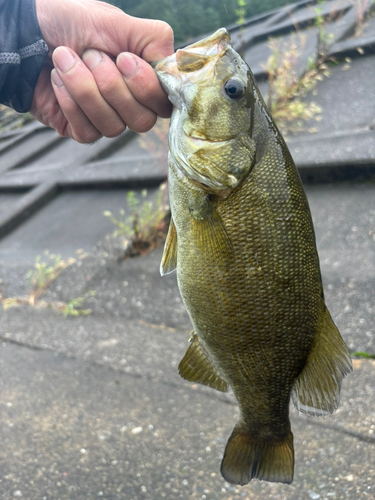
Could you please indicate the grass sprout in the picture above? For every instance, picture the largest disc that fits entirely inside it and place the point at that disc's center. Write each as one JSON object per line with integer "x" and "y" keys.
{"x": 287, "y": 89}
{"x": 41, "y": 277}
{"x": 144, "y": 224}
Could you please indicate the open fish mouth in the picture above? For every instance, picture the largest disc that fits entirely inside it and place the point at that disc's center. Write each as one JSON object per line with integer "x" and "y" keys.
{"x": 202, "y": 50}
{"x": 174, "y": 70}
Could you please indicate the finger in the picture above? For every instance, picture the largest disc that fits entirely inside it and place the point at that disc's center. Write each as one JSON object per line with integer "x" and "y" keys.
{"x": 45, "y": 107}
{"x": 118, "y": 32}
{"x": 115, "y": 91}
{"x": 143, "y": 84}
{"x": 150, "y": 39}
{"x": 81, "y": 86}
{"x": 76, "y": 124}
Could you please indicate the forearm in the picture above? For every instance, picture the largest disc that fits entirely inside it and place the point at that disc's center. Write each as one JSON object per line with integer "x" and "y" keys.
{"x": 22, "y": 53}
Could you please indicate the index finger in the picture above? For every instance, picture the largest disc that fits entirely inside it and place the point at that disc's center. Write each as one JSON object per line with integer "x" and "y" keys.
{"x": 143, "y": 83}
{"x": 151, "y": 39}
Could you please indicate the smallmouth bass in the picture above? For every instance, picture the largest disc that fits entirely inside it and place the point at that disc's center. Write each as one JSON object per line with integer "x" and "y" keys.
{"x": 242, "y": 241}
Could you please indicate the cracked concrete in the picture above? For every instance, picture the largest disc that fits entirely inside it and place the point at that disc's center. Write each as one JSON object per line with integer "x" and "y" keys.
{"x": 93, "y": 407}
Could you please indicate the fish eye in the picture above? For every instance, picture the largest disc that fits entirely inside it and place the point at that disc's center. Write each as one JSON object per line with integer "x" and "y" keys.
{"x": 234, "y": 89}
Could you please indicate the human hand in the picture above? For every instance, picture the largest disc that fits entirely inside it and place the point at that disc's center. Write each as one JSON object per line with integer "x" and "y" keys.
{"x": 88, "y": 94}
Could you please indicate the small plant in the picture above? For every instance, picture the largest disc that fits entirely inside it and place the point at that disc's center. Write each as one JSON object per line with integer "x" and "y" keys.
{"x": 73, "y": 307}
{"x": 44, "y": 274}
{"x": 324, "y": 39}
{"x": 41, "y": 277}
{"x": 362, "y": 6}
{"x": 10, "y": 119}
{"x": 286, "y": 89}
{"x": 362, "y": 354}
{"x": 144, "y": 224}
{"x": 241, "y": 12}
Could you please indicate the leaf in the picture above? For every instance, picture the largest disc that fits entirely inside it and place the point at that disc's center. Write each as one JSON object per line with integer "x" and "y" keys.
{"x": 363, "y": 354}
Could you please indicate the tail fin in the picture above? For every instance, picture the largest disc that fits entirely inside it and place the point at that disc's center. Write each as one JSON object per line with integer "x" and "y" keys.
{"x": 248, "y": 456}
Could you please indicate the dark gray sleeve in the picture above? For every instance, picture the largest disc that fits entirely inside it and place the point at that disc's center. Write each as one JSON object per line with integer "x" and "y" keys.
{"x": 23, "y": 53}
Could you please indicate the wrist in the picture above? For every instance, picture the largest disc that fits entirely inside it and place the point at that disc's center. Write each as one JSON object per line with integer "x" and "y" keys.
{"x": 41, "y": 16}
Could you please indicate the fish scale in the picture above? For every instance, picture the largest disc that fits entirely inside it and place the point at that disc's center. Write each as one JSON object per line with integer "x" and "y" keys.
{"x": 242, "y": 241}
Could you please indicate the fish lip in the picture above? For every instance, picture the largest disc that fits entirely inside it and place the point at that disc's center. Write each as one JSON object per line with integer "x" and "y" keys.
{"x": 220, "y": 39}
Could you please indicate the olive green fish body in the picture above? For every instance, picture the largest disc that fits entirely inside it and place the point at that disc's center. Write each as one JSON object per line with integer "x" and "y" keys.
{"x": 243, "y": 244}
{"x": 256, "y": 314}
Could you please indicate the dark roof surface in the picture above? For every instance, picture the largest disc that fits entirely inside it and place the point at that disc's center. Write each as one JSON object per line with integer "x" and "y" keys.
{"x": 36, "y": 164}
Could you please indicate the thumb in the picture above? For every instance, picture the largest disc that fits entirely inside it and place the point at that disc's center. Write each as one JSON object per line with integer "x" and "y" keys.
{"x": 150, "y": 39}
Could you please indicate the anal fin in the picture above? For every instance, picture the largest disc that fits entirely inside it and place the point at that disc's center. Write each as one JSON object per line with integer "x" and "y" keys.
{"x": 317, "y": 389}
{"x": 169, "y": 259}
{"x": 196, "y": 367}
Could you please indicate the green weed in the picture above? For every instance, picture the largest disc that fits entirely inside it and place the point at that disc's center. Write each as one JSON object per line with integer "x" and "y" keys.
{"x": 44, "y": 274}
{"x": 143, "y": 224}
{"x": 324, "y": 39}
{"x": 41, "y": 277}
{"x": 362, "y": 9}
{"x": 286, "y": 88}
{"x": 241, "y": 12}
{"x": 362, "y": 354}
{"x": 73, "y": 307}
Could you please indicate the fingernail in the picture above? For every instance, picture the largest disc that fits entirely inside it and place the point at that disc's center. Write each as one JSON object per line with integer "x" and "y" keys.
{"x": 92, "y": 58}
{"x": 63, "y": 59}
{"x": 127, "y": 64}
{"x": 56, "y": 79}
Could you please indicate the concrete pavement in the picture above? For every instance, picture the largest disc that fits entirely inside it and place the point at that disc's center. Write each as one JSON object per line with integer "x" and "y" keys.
{"x": 93, "y": 407}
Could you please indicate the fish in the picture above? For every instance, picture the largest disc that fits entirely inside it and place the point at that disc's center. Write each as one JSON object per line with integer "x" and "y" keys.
{"x": 242, "y": 241}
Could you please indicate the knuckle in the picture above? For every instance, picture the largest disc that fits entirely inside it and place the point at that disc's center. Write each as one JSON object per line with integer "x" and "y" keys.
{"x": 86, "y": 137}
{"x": 62, "y": 132}
{"x": 117, "y": 130}
{"x": 144, "y": 122}
{"x": 84, "y": 95}
{"x": 149, "y": 90}
{"x": 165, "y": 32}
{"x": 112, "y": 85}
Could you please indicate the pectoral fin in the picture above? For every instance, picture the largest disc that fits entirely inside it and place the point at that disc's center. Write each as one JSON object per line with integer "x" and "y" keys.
{"x": 317, "y": 388}
{"x": 212, "y": 238}
{"x": 196, "y": 367}
{"x": 169, "y": 259}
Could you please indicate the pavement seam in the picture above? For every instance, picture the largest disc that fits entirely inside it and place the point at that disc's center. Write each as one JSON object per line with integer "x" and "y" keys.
{"x": 93, "y": 363}
{"x": 357, "y": 435}
{"x": 201, "y": 390}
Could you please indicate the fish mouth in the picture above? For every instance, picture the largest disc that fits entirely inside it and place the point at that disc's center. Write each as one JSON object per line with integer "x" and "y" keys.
{"x": 174, "y": 69}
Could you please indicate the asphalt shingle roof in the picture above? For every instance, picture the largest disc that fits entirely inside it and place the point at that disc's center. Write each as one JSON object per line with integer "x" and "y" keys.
{"x": 36, "y": 164}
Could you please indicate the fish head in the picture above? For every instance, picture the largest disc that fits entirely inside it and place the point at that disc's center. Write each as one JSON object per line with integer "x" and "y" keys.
{"x": 211, "y": 89}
